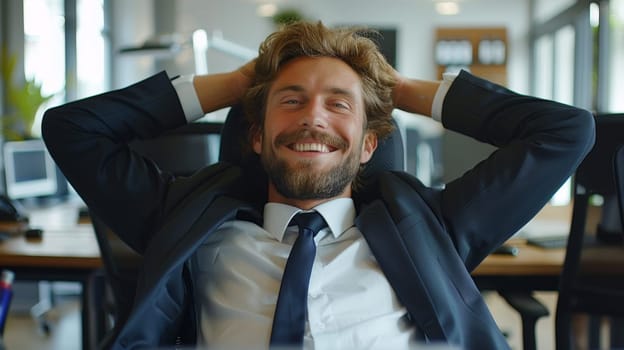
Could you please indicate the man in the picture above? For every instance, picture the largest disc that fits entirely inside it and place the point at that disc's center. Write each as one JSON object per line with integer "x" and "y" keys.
{"x": 392, "y": 267}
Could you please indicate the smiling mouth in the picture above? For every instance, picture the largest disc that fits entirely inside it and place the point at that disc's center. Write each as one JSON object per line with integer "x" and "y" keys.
{"x": 310, "y": 147}
{"x": 311, "y": 141}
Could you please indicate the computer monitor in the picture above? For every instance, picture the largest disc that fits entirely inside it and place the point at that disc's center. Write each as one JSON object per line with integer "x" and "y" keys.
{"x": 29, "y": 170}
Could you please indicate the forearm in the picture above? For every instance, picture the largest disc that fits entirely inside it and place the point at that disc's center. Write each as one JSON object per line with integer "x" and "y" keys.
{"x": 220, "y": 90}
{"x": 415, "y": 96}
{"x": 217, "y": 91}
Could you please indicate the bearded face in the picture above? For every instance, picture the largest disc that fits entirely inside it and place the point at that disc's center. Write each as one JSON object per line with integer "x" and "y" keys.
{"x": 300, "y": 180}
{"x": 313, "y": 138}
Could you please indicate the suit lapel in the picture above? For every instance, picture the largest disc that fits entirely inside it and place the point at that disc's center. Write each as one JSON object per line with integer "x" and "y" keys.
{"x": 177, "y": 240}
{"x": 380, "y": 231}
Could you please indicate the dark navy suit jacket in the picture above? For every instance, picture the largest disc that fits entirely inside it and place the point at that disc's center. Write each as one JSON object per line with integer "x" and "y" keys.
{"x": 426, "y": 240}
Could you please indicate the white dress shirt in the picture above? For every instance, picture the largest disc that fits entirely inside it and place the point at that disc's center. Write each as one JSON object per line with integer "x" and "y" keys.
{"x": 351, "y": 305}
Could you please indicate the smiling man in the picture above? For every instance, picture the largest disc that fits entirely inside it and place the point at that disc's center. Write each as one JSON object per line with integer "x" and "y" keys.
{"x": 306, "y": 260}
{"x": 314, "y": 136}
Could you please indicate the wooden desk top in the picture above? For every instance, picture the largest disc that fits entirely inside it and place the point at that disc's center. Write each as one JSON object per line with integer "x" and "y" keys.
{"x": 65, "y": 243}
{"x": 531, "y": 260}
{"x": 65, "y": 248}
{"x": 68, "y": 244}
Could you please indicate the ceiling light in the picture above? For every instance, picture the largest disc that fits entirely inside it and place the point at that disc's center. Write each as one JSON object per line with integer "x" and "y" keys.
{"x": 267, "y": 10}
{"x": 447, "y": 8}
{"x": 594, "y": 15}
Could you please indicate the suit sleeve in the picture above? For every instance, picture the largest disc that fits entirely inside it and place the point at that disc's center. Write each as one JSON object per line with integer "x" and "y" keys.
{"x": 89, "y": 138}
{"x": 539, "y": 145}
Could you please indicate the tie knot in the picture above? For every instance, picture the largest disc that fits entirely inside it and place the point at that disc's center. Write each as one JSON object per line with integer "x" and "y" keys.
{"x": 312, "y": 221}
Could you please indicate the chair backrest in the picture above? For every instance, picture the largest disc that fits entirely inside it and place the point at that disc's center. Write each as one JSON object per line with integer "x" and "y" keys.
{"x": 183, "y": 150}
{"x": 121, "y": 267}
{"x": 595, "y": 176}
{"x": 592, "y": 279}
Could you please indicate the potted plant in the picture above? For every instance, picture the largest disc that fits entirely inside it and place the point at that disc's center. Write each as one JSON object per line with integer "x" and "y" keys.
{"x": 286, "y": 17}
{"x": 23, "y": 102}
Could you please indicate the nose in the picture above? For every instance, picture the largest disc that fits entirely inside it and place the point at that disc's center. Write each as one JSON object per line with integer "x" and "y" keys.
{"x": 314, "y": 115}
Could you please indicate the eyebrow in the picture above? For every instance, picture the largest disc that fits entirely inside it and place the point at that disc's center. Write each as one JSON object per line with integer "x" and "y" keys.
{"x": 332, "y": 90}
{"x": 295, "y": 88}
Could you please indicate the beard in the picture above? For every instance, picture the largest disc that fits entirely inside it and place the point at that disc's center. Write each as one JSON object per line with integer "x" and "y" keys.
{"x": 301, "y": 180}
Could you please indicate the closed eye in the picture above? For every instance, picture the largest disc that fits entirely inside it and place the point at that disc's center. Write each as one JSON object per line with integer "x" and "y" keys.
{"x": 340, "y": 104}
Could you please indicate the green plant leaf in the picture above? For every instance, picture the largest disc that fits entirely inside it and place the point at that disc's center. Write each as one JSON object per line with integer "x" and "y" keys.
{"x": 24, "y": 101}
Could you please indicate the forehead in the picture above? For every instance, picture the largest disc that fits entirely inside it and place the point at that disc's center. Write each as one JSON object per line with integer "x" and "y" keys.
{"x": 324, "y": 73}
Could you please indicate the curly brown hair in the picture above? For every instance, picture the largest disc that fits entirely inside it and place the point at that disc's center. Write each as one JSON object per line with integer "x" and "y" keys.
{"x": 353, "y": 45}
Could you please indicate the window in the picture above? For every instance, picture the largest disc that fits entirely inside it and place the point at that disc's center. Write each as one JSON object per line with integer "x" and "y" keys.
{"x": 615, "y": 85}
{"x": 65, "y": 49}
{"x": 44, "y": 44}
{"x": 91, "y": 48}
{"x": 563, "y": 89}
{"x": 543, "y": 72}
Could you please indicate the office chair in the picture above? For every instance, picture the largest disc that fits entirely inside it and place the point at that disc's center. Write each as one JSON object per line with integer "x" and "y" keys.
{"x": 592, "y": 280}
{"x": 530, "y": 310}
{"x": 115, "y": 293}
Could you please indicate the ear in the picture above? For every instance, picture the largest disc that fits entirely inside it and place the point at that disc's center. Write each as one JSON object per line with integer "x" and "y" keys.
{"x": 368, "y": 147}
{"x": 256, "y": 140}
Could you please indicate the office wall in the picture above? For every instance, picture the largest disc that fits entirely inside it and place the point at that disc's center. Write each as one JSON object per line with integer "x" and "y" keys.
{"x": 131, "y": 23}
{"x": 414, "y": 20}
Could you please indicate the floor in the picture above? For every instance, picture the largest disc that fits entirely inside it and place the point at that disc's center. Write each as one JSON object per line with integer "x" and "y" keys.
{"x": 509, "y": 321}
{"x": 24, "y": 332}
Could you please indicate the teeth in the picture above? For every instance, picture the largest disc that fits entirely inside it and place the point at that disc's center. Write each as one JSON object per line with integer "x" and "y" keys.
{"x": 311, "y": 147}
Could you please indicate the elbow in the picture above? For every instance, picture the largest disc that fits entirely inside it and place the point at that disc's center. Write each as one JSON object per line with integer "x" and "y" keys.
{"x": 50, "y": 121}
{"x": 586, "y": 132}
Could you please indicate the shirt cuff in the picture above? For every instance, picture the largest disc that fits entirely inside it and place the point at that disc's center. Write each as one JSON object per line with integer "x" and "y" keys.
{"x": 438, "y": 99}
{"x": 187, "y": 95}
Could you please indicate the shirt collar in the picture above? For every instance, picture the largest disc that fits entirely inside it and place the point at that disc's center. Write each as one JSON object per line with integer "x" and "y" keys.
{"x": 339, "y": 214}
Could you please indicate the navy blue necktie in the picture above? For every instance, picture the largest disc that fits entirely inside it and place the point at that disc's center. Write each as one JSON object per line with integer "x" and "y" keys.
{"x": 290, "y": 311}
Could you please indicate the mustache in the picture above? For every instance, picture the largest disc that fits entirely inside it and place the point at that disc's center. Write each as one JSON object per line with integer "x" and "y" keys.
{"x": 325, "y": 138}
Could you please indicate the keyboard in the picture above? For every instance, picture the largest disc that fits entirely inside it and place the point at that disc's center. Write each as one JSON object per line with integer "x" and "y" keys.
{"x": 549, "y": 242}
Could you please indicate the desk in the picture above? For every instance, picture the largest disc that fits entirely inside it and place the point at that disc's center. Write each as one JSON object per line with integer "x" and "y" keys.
{"x": 68, "y": 251}
{"x": 534, "y": 268}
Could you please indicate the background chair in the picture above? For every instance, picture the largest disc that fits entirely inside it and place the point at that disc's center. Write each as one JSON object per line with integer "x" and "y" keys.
{"x": 530, "y": 310}
{"x": 592, "y": 279}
